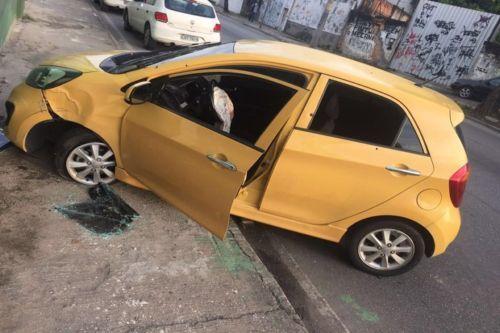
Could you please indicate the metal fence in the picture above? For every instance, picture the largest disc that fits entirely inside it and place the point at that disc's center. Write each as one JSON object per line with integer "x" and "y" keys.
{"x": 443, "y": 41}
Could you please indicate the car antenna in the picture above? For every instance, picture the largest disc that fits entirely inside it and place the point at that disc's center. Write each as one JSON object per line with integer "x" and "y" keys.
{"x": 439, "y": 74}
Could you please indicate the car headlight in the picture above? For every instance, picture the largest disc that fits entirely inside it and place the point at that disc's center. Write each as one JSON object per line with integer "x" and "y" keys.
{"x": 46, "y": 77}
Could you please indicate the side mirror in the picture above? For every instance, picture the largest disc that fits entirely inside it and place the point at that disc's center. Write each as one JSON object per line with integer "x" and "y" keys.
{"x": 139, "y": 93}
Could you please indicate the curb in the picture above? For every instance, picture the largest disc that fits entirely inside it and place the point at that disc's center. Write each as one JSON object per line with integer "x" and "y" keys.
{"x": 482, "y": 122}
{"x": 314, "y": 311}
{"x": 265, "y": 275}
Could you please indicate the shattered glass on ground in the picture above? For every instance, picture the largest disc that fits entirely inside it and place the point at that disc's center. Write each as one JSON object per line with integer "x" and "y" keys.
{"x": 4, "y": 142}
{"x": 105, "y": 214}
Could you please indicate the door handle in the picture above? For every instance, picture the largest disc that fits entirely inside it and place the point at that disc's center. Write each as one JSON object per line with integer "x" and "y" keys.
{"x": 410, "y": 172}
{"x": 225, "y": 164}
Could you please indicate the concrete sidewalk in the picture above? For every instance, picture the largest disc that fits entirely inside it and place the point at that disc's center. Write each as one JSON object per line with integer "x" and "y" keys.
{"x": 273, "y": 33}
{"x": 162, "y": 274}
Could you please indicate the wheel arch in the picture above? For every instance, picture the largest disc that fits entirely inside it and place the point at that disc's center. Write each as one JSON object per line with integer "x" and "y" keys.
{"x": 50, "y": 131}
{"x": 427, "y": 237}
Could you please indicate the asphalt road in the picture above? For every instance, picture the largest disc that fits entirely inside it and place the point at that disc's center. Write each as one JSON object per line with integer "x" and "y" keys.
{"x": 455, "y": 292}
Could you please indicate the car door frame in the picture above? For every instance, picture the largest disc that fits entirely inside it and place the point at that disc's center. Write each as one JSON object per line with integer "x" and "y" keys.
{"x": 312, "y": 106}
{"x": 304, "y": 122}
{"x": 265, "y": 139}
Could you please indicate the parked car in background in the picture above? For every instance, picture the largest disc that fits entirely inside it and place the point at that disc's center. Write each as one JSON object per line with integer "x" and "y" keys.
{"x": 173, "y": 22}
{"x": 475, "y": 89}
{"x": 107, "y": 4}
{"x": 278, "y": 133}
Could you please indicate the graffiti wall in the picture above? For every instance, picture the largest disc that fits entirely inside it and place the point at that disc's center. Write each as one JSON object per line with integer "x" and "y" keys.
{"x": 443, "y": 40}
{"x": 487, "y": 64}
{"x": 275, "y": 12}
{"x": 308, "y": 13}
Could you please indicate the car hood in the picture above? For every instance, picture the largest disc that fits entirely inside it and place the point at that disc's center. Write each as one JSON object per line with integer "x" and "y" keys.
{"x": 85, "y": 63}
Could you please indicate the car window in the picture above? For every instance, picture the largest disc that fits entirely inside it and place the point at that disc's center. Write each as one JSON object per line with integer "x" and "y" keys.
{"x": 151, "y": 2}
{"x": 295, "y": 78}
{"x": 495, "y": 82}
{"x": 353, "y": 113}
{"x": 190, "y": 7}
{"x": 408, "y": 139}
{"x": 238, "y": 105}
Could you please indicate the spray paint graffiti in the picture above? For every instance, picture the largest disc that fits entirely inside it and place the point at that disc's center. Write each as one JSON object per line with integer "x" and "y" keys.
{"x": 487, "y": 66}
{"x": 275, "y": 14}
{"x": 359, "y": 41}
{"x": 443, "y": 39}
{"x": 308, "y": 13}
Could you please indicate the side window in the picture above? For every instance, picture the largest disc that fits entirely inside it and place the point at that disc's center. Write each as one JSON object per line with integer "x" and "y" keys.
{"x": 495, "y": 82}
{"x": 241, "y": 106}
{"x": 408, "y": 139}
{"x": 151, "y": 2}
{"x": 356, "y": 114}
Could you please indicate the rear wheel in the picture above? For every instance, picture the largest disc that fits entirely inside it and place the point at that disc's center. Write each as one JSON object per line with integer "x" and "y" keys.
{"x": 465, "y": 92}
{"x": 385, "y": 248}
{"x": 85, "y": 158}
{"x": 149, "y": 42}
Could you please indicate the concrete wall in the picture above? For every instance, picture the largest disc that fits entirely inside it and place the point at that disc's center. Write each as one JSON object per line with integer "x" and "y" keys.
{"x": 9, "y": 11}
{"x": 487, "y": 64}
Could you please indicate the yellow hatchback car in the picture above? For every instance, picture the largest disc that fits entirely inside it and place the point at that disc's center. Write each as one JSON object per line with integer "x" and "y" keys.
{"x": 281, "y": 134}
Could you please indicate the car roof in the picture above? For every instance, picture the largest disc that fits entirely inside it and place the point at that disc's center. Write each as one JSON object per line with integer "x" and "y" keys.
{"x": 338, "y": 66}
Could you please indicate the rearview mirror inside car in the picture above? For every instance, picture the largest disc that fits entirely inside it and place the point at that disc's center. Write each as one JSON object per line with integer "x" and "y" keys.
{"x": 139, "y": 93}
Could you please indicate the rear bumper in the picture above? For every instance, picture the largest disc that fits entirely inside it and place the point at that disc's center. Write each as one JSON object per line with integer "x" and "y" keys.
{"x": 166, "y": 33}
{"x": 445, "y": 230}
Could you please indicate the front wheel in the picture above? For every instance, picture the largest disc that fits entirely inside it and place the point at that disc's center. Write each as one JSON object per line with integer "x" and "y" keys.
{"x": 85, "y": 158}
{"x": 385, "y": 248}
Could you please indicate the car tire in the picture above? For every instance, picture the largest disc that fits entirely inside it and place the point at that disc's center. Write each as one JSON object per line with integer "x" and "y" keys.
{"x": 149, "y": 42}
{"x": 385, "y": 258}
{"x": 70, "y": 164}
{"x": 126, "y": 22}
{"x": 103, "y": 6}
{"x": 465, "y": 92}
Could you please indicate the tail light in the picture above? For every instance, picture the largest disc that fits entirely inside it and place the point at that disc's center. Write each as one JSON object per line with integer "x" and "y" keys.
{"x": 457, "y": 185}
{"x": 217, "y": 27}
{"x": 162, "y": 17}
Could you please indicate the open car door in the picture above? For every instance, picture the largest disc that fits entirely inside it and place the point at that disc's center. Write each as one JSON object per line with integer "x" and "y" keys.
{"x": 190, "y": 162}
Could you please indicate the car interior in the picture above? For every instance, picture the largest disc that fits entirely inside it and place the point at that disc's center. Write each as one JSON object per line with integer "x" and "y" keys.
{"x": 356, "y": 114}
{"x": 255, "y": 101}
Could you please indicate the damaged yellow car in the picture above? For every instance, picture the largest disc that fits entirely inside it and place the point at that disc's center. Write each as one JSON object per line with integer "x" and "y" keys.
{"x": 281, "y": 134}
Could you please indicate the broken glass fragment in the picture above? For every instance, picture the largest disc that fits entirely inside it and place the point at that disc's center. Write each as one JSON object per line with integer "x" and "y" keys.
{"x": 106, "y": 213}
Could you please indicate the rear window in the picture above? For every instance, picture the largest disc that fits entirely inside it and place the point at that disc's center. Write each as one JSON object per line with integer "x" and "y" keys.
{"x": 190, "y": 7}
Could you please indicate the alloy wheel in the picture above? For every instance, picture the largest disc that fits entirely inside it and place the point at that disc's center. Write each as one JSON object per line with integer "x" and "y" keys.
{"x": 386, "y": 249}
{"x": 91, "y": 163}
{"x": 465, "y": 92}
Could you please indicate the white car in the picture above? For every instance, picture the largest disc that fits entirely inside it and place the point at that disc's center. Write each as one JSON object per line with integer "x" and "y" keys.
{"x": 173, "y": 22}
{"x": 106, "y": 4}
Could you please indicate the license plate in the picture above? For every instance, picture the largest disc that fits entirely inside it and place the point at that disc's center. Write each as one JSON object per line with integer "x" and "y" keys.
{"x": 189, "y": 38}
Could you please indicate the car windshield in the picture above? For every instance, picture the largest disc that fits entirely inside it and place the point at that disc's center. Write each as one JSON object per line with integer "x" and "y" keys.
{"x": 190, "y": 7}
{"x": 130, "y": 61}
